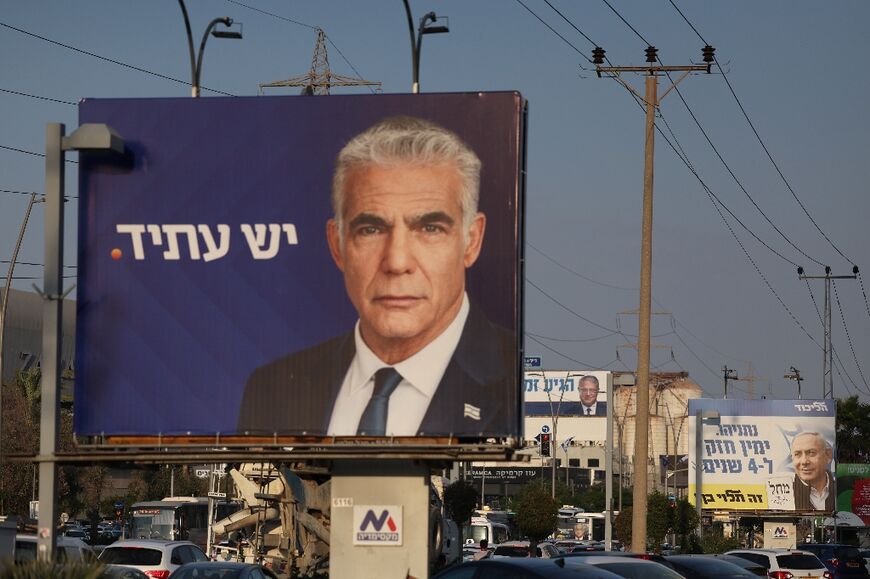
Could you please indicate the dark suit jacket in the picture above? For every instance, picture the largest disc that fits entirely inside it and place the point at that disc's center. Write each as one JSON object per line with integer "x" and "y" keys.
{"x": 295, "y": 394}
{"x": 802, "y": 495}
{"x": 600, "y": 409}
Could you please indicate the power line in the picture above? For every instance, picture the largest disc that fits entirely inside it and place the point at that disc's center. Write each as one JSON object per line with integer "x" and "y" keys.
{"x": 638, "y": 34}
{"x": 566, "y": 308}
{"x": 33, "y": 96}
{"x": 574, "y": 26}
{"x": 572, "y": 340}
{"x": 26, "y": 152}
{"x": 848, "y": 337}
{"x": 554, "y": 31}
{"x": 30, "y": 263}
{"x": 107, "y": 59}
{"x": 578, "y": 274}
{"x": 864, "y": 293}
{"x": 761, "y": 142}
{"x": 567, "y": 357}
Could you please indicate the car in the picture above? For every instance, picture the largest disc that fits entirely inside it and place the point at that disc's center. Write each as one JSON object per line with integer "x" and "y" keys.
{"x": 155, "y": 558}
{"x": 223, "y": 570}
{"x": 521, "y": 549}
{"x": 523, "y": 568}
{"x": 754, "y": 568}
{"x": 122, "y": 572}
{"x": 704, "y": 566}
{"x": 628, "y": 554}
{"x": 841, "y": 560}
{"x": 626, "y": 567}
{"x": 68, "y": 549}
{"x": 866, "y": 554}
{"x": 786, "y": 563}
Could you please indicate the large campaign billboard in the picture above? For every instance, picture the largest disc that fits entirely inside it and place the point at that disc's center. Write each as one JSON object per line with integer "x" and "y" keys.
{"x": 578, "y": 398}
{"x": 763, "y": 455}
{"x": 853, "y": 490}
{"x": 296, "y": 265}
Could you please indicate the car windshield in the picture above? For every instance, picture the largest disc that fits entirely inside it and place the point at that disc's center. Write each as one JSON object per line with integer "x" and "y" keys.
{"x": 130, "y": 556}
{"x": 798, "y": 561}
{"x": 635, "y": 570}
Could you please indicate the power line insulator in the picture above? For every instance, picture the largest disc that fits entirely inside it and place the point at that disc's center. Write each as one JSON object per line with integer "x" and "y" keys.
{"x": 708, "y": 51}
{"x": 651, "y": 52}
{"x": 598, "y": 55}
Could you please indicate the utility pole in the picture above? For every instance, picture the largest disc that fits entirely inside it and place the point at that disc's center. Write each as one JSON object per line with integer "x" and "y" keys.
{"x": 728, "y": 374}
{"x": 796, "y": 376}
{"x": 652, "y": 100}
{"x": 827, "y": 349}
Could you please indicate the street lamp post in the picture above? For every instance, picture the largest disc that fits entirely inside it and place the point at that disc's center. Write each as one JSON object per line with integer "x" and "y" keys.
{"x": 88, "y": 137}
{"x": 702, "y": 417}
{"x": 417, "y": 41}
{"x": 196, "y": 59}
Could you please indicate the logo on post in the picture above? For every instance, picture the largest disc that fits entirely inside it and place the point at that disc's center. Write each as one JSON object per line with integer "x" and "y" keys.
{"x": 377, "y": 525}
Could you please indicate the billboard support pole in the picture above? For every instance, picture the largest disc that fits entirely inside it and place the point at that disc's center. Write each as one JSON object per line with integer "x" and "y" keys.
{"x": 608, "y": 468}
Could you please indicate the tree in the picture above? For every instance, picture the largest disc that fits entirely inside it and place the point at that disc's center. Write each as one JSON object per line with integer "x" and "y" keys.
{"x": 853, "y": 430}
{"x": 685, "y": 521}
{"x": 622, "y": 526}
{"x": 537, "y": 514}
{"x": 658, "y": 519}
{"x": 459, "y": 500}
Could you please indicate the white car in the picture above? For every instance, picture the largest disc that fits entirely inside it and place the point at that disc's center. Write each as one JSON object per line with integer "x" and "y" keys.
{"x": 155, "y": 558}
{"x": 786, "y": 563}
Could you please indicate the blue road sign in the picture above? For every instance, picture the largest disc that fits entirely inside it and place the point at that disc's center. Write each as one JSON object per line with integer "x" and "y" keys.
{"x": 532, "y": 361}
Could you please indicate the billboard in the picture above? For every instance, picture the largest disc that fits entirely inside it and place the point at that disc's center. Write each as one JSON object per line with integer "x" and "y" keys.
{"x": 764, "y": 455}
{"x": 217, "y": 295}
{"x": 853, "y": 490}
{"x": 578, "y": 398}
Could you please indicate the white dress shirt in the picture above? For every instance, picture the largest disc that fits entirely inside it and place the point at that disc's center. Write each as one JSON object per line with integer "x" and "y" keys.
{"x": 818, "y": 499}
{"x": 421, "y": 374}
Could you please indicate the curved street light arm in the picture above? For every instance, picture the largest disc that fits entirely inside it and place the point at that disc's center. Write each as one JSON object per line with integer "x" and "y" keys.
{"x": 414, "y": 59}
{"x": 226, "y": 21}
{"x": 423, "y": 22}
{"x": 193, "y": 81}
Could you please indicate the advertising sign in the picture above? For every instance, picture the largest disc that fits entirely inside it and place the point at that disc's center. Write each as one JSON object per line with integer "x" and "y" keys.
{"x": 379, "y": 525}
{"x": 217, "y": 294}
{"x": 764, "y": 455}
{"x": 853, "y": 490}
{"x": 780, "y": 535}
{"x": 577, "y": 397}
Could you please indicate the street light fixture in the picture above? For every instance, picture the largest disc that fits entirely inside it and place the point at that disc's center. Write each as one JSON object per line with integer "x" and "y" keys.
{"x": 702, "y": 418}
{"x": 196, "y": 60}
{"x": 417, "y": 40}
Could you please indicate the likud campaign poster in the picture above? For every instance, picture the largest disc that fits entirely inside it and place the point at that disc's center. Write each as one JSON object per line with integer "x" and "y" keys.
{"x": 763, "y": 455}
{"x": 211, "y": 301}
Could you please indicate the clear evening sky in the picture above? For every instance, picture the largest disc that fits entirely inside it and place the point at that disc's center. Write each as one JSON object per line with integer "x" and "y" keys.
{"x": 796, "y": 70}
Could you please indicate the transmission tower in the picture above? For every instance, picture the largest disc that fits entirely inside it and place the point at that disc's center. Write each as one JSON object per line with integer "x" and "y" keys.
{"x": 320, "y": 79}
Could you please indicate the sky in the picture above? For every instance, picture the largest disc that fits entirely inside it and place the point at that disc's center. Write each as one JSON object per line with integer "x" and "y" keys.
{"x": 776, "y": 134}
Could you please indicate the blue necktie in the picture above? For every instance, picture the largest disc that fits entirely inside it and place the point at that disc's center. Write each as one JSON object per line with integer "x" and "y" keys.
{"x": 374, "y": 419}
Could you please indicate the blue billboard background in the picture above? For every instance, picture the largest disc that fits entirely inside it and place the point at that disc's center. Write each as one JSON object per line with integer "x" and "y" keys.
{"x": 203, "y": 254}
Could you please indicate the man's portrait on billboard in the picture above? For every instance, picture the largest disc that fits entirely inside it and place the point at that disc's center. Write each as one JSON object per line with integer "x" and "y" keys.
{"x": 811, "y": 457}
{"x": 589, "y": 403}
{"x": 422, "y": 357}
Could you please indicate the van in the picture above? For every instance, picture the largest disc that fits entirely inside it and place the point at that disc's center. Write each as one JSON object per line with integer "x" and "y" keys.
{"x": 68, "y": 549}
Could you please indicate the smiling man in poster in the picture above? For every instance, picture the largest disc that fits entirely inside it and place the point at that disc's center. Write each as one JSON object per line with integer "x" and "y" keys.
{"x": 811, "y": 456}
{"x": 422, "y": 358}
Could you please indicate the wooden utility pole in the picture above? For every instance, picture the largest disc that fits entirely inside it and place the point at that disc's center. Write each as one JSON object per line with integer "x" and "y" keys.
{"x": 651, "y": 99}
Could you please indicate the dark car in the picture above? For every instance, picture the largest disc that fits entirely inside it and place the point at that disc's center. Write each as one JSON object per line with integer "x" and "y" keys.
{"x": 648, "y": 556}
{"x": 841, "y": 560}
{"x": 752, "y": 567}
{"x": 529, "y": 568}
{"x": 222, "y": 570}
{"x": 704, "y": 566}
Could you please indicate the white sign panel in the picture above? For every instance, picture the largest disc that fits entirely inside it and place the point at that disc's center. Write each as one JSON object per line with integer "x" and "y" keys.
{"x": 577, "y": 397}
{"x": 779, "y": 535}
{"x": 780, "y": 495}
{"x": 377, "y": 525}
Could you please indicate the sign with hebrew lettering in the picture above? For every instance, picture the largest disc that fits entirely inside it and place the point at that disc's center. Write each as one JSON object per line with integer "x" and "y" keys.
{"x": 763, "y": 455}
{"x": 574, "y": 402}
{"x": 250, "y": 263}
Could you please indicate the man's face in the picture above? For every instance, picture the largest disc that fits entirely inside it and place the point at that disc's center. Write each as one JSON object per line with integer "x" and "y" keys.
{"x": 403, "y": 253}
{"x": 588, "y": 393}
{"x": 810, "y": 458}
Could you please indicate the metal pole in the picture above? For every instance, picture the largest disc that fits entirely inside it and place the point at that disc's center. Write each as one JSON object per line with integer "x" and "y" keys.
{"x": 198, "y": 70}
{"x": 414, "y": 87}
{"x": 52, "y": 311}
{"x": 194, "y": 92}
{"x": 699, "y": 449}
{"x": 482, "y": 486}
{"x": 553, "y": 460}
{"x": 828, "y": 382}
{"x": 608, "y": 468}
{"x": 5, "y": 305}
{"x": 641, "y": 434}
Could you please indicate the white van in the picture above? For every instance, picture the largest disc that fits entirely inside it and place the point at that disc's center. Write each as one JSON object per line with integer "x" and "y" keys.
{"x": 68, "y": 549}
{"x": 482, "y": 528}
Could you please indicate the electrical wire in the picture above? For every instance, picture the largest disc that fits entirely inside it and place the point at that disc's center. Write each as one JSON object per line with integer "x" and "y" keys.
{"x": 566, "y": 356}
{"x": 578, "y": 274}
{"x": 15, "y": 192}
{"x": 30, "y": 263}
{"x": 638, "y": 34}
{"x": 33, "y": 96}
{"x": 554, "y": 31}
{"x": 107, "y": 59}
{"x": 566, "y": 19}
{"x": 17, "y": 150}
{"x": 569, "y": 310}
{"x": 761, "y": 141}
{"x": 863, "y": 292}
{"x": 848, "y": 337}
{"x": 572, "y": 340}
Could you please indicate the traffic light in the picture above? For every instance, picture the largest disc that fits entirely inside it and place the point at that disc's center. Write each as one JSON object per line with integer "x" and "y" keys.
{"x": 545, "y": 444}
